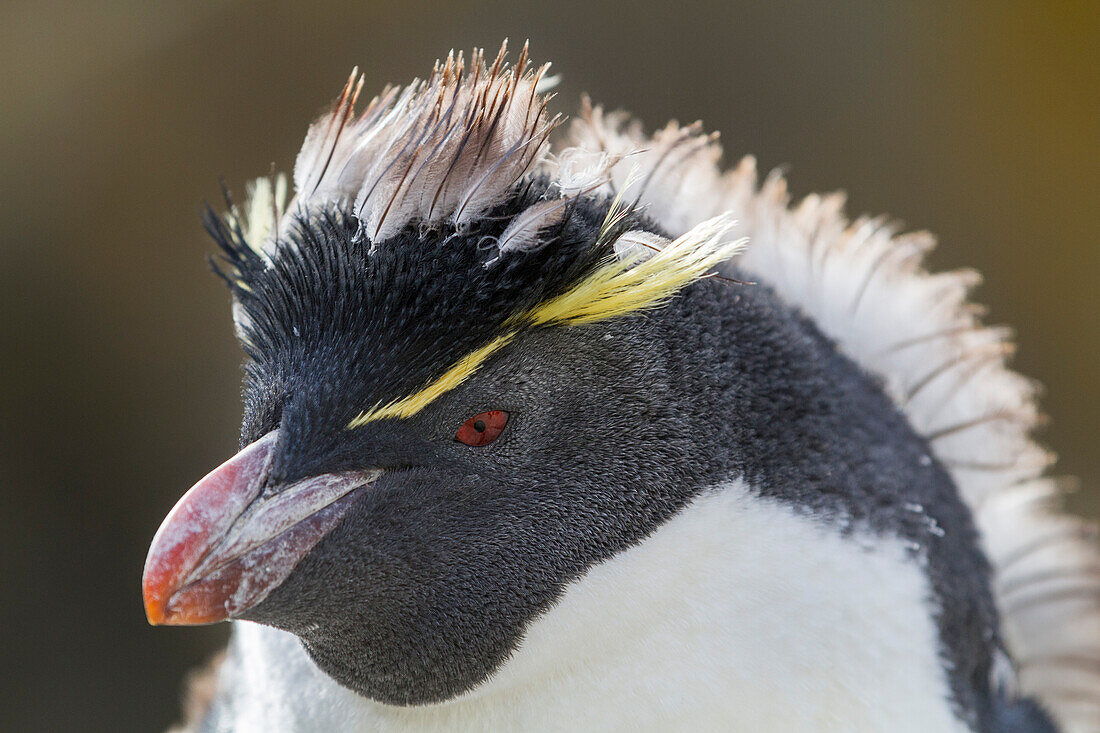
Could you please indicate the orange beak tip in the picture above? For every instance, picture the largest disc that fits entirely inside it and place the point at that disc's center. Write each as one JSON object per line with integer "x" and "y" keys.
{"x": 227, "y": 544}
{"x": 154, "y": 614}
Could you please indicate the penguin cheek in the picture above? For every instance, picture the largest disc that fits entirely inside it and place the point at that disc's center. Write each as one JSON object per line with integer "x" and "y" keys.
{"x": 407, "y": 640}
{"x": 409, "y": 600}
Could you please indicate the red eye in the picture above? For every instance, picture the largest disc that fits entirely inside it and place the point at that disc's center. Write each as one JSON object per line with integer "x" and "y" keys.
{"x": 483, "y": 428}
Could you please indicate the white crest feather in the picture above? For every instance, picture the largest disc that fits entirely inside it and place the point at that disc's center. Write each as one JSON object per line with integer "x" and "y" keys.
{"x": 522, "y": 232}
{"x": 638, "y": 244}
{"x": 444, "y": 149}
{"x": 866, "y": 288}
{"x": 578, "y": 169}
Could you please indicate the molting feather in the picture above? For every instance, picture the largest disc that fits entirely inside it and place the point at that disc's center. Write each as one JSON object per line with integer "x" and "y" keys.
{"x": 444, "y": 149}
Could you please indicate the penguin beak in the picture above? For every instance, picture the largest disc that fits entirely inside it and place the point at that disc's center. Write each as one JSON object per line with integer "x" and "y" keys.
{"x": 232, "y": 539}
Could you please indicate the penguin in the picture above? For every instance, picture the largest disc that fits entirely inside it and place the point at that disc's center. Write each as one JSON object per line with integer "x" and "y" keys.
{"x": 558, "y": 426}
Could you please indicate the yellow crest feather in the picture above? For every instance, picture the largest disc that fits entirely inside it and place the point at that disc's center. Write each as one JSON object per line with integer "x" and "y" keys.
{"x": 456, "y": 375}
{"x": 265, "y": 206}
{"x": 625, "y": 286}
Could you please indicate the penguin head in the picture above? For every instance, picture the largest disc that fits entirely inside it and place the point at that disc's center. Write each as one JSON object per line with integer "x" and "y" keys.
{"x": 458, "y": 395}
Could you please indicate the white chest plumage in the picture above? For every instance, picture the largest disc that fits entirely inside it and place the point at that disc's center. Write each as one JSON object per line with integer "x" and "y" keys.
{"x": 739, "y": 614}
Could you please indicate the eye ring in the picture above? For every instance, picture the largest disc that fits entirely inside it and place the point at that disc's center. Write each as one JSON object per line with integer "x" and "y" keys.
{"x": 483, "y": 428}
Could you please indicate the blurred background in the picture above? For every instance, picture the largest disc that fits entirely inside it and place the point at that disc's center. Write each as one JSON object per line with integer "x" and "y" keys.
{"x": 118, "y": 369}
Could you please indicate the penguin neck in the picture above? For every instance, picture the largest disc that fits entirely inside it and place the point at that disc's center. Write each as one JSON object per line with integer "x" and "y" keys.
{"x": 720, "y": 615}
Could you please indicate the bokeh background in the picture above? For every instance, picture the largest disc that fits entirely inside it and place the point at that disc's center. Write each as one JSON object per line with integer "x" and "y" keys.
{"x": 118, "y": 369}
